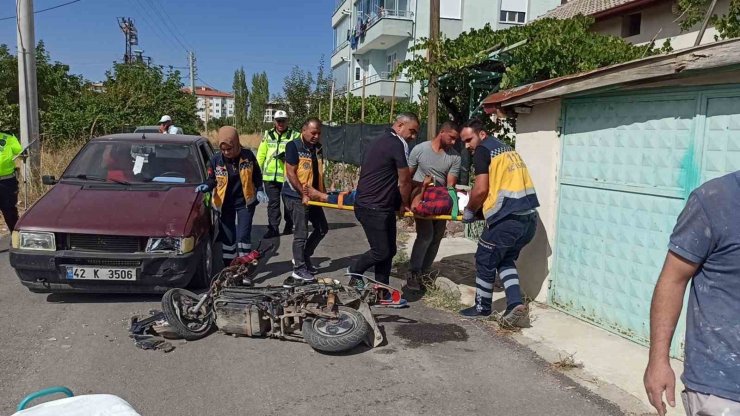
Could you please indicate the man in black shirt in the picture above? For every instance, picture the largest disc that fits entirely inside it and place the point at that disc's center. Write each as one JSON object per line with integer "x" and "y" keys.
{"x": 384, "y": 188}
{"x": 303, "y": 167}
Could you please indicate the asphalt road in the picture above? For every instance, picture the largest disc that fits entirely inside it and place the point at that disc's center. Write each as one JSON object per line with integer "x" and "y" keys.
{"x": 434, "y": 363}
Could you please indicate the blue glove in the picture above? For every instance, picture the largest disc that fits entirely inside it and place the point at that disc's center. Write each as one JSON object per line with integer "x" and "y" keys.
{"x": 468, "y": 216}
{"x": 201, "y": 188}
{"x": 262, "y": 197}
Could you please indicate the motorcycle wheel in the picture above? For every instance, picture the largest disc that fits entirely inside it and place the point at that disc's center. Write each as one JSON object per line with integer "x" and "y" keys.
{"x": 336, "y": 335}
{"x": 175, "y": 305}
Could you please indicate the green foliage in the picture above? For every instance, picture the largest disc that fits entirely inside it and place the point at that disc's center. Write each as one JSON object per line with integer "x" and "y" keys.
{"x": 259, "y": 97}
{"x": 134, "y": 94}
{"x": 553, "y": 48}
{"x": 241, "y": 99}
{"x": 377, "y": 109}
{"x": 693, "y": 12}
{"x": 297, "y": 91}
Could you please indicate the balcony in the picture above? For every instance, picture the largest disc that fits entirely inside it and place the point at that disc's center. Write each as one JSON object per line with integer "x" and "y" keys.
{"x": 382, "y": 86}
{"x": 339, "y": 55}
{"x": 386, "y": 29}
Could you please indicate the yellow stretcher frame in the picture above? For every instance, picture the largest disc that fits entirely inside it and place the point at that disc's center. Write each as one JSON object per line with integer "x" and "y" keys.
{"x": 407, "y": 214}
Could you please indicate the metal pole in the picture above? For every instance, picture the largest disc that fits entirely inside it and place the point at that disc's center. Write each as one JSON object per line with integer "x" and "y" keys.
{"x": 362, "y": 116}
{"x": 393, "y": 99}
{"x": 705, "y": 23}
{"x": 331, "y": 102}
{"x": 27, "y": 91}
{"x": 191, "y": 58}
{"x": 433, "y": 93}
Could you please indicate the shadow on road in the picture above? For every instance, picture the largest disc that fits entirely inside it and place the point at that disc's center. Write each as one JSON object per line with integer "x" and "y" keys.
{"x": 102, "y": 298}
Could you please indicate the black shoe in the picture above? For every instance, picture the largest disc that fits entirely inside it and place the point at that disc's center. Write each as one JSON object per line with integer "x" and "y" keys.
{"x": 287, "y": 230}
{"x": 413, "y": 283}
{"x": 473, "y": 312}
{"x": 271, "y": 233}
{"x": 310, "y": 267}
{"x": 299, "y": 277}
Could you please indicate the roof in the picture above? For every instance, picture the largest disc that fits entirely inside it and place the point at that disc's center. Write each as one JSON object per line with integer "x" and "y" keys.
{"x": 209, "y": 92}
{"x": 596, "y": 8}
{"x": 155, "y": 137}
{"x": 713, "y": 56}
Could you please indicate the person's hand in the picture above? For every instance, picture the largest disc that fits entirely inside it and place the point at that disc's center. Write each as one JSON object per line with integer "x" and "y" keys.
{"x": 305, "y": 199}
{"x": 262, "y": 197}
{"x": 468, "y": 216}
{"x": 201, "y": 188}
{"x": 659, "y": 378}
{"x": 404, "y": 210}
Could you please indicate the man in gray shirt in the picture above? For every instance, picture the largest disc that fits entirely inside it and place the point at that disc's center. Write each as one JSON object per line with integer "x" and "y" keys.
{"x": 438, "y": 160}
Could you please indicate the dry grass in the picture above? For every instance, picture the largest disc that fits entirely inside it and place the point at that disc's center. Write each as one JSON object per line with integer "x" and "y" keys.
{"x": 567, "y": 363}
{"x": 250, "y": 141}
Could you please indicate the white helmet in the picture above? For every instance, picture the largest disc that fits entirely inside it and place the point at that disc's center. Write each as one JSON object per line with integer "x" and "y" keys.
{"x": 280, "y": 114}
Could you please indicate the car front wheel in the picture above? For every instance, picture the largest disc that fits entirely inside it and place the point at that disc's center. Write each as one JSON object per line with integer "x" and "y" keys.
{"x": 202, "y": 277}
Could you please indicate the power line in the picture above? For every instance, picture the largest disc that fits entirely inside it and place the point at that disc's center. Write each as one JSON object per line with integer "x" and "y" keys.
{"x": 167, "y": 25}
{"x": 156, "y": 29}
{"x": 176, "y": 31}
{"x": 45, "y": 10}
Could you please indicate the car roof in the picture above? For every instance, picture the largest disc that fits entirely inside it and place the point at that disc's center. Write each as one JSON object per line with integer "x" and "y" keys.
{"x": 154, "y": 137}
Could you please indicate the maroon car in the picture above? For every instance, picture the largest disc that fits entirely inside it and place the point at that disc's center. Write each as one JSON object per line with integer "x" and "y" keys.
{"x": 123, "y": 217}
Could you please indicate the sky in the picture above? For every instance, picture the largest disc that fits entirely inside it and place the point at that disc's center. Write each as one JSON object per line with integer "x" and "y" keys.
{"x": 270, "y": 36}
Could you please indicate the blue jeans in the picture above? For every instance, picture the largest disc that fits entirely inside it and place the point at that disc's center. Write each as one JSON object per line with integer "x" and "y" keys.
{"x": 498, "y": 247}
{"x": 236, "y": 232}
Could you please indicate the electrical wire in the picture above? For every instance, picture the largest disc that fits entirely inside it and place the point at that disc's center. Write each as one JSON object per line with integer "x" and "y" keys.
{"x": 168, "y": 22}
{"x": 167, "y": 25}
{"x": 156, "y": 29}
{"x": 42, "y": 10}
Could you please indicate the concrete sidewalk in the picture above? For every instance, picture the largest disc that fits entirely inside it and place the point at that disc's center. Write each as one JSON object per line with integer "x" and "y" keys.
{"x": 610, "y": 366}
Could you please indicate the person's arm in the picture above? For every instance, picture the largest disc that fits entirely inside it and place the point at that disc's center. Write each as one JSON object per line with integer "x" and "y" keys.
{"x": 291, "y": 170}
{"x": 405, "y": 187}
{"x": 15, "y": 145}
{"x": 256, "y": 171}
{"x": 479, "y": 193}
{"x": 691, "y": 243}
{"x": 211, "y": 179}
{"x": 664, "y": 312}
{"x": 262, "y": 151}
{"x": 454, "y": 172}
{"x": 414, "y": 160}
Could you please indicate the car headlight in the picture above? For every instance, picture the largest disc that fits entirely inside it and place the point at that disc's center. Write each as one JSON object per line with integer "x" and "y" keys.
{"x": 33, "y": 240}
{"x": 177, "y": 245}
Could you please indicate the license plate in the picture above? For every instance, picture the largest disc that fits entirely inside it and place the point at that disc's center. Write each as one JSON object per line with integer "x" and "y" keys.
{"x": 100, "y": 273}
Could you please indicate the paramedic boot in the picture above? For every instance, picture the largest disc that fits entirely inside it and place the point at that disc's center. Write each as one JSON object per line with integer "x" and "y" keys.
{"x": 483, "y": 300}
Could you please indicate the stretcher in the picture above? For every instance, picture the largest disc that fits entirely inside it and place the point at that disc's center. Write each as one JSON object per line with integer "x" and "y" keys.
{"x": 407, "y": 214}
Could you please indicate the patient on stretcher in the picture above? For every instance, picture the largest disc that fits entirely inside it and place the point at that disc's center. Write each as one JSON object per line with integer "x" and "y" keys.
{"x": 433, "y": 200}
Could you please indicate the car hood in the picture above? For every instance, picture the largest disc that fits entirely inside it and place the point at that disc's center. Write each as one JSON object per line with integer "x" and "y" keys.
{"x": 112, "y": 210}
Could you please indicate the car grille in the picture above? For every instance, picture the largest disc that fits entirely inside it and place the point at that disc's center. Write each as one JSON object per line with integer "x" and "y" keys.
{"x": 105, "y": 243}
{"x": 101, "y": 262}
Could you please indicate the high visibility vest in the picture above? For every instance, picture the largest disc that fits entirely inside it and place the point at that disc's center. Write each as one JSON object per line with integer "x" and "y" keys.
{"x": 9, "y": 148}
{"x": 510, "y": 187}
{"x": 271, "y": 152}
{"x": 305, "y": 169}
{"x": 246, "y": 167}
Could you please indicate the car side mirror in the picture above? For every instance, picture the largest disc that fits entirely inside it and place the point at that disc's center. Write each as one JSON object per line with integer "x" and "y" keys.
{"x": 48, "y": 180}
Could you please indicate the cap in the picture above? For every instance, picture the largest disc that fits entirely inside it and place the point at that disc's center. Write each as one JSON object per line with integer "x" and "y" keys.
{"x": 280, "y": 114}
{"x": 165, "y": 119}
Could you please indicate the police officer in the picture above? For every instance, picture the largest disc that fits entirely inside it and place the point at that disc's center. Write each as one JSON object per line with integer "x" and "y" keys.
{"x": 9, "y": 149}
{"x": 271, "y": 159}
{"x": 236, "y": 182}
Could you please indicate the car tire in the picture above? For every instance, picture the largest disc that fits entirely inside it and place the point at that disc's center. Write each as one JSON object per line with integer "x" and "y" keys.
{"x": 202, "y": 277}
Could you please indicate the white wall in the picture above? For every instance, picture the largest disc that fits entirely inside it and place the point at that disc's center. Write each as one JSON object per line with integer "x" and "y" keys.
{"x": 538, "y": 142}
{"x": 658, "y": 21}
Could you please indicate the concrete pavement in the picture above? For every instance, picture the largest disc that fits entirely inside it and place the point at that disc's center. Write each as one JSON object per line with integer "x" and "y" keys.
{"x": 433, "y": 362}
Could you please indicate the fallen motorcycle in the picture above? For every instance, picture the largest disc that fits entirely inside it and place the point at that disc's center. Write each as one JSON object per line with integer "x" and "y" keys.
{"x": 327, "y": 315}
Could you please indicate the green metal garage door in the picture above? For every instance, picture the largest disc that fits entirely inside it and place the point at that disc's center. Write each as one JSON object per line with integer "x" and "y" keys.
{"x": 628, "y": 164}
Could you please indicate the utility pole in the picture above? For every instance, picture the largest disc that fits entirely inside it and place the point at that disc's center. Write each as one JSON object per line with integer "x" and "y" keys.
{"x": 27, "y": 92}
{"x": 191, "y": 60}
{"x": 331, "y": 102}
{"x": 433, "y": 93}
{"x": 131, "y": 37}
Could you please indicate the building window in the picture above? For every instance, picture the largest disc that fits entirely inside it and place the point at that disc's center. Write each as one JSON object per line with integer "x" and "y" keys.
{"x": 508, "y": 16}
{"x": 631, "y": 25}
{"x": 391, "y": 63}
{"x": 357, "y": 73}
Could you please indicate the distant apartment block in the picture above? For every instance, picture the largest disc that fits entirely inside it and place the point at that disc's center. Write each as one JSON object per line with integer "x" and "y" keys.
{"x": 372, "y": 37}
{"x": 213, "y": 103}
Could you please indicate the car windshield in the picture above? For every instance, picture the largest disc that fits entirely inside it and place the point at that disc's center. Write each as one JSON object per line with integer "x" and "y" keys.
{"x": 136, "y": 163}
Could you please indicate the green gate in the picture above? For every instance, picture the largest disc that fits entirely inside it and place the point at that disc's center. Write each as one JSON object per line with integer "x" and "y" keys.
{"x": 628, "y": 164}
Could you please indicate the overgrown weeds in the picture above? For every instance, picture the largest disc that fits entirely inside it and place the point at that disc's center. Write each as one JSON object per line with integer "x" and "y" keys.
{"x": 567, "y": 362}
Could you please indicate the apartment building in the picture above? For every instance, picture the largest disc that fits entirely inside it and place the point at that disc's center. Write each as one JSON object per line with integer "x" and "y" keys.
{"x": 213, "y": 103}
{"x": 372, "y": 37}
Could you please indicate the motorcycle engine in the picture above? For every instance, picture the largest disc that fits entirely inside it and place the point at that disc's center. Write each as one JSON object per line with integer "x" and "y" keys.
{"x": 237, "y": 312}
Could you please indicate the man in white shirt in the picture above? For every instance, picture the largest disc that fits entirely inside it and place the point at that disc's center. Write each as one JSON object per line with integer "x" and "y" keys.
{"x": 166, "y": 126}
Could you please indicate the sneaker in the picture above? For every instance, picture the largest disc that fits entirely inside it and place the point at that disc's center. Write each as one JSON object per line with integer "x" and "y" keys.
{"x": 355, "y": 281}
{"x": 271, "y": 233}
{"x": 388, "y": 302}
{"x": 299, "y": 277}
{"x": 413, "y": 283}
{"x": 310, "y": 267}
{"x": 473, "y": 312}
{"x": 515, "y": 316}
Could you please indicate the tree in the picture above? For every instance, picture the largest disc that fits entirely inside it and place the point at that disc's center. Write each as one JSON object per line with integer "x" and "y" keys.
{"x": 322, "y": 92}
{"x": 693, "y": 12}
{"x": 553, "y": 48}
{"x": 241, "y": 99}
{"x": 260, "y": 96}
{"x": 297, "y": 90}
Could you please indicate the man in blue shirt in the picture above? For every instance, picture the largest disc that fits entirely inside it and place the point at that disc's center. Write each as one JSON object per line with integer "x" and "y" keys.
{"x": 705, "y": 250}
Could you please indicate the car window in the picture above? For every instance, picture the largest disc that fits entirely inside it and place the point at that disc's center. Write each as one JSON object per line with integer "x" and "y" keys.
{"x": 137, "y": 162}
{"x": 205, "y": 156}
